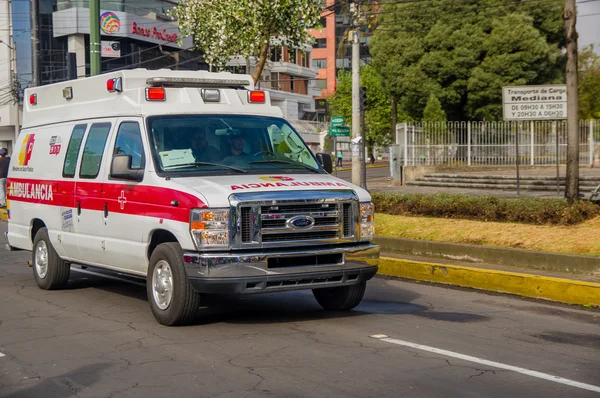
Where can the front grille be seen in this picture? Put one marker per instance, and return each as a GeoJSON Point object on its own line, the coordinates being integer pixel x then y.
{"type": "Point", "coordinates": [295, 208]}
{"type": "Point", "coordinates": [347, 217]}
{"type": "Point", "coordinates": [299, 236]}
{"type": "Point", "coordinates": [293, 223]}
{"type": "Point", "coordinates": [246, 224]}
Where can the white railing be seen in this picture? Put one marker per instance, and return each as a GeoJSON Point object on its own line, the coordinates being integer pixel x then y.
{"type": "Point", "coordinates": [493, 143]}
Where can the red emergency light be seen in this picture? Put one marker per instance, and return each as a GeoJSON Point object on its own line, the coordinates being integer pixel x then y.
{"type": "Point", "coordinates": [155, 94]}
{"type": "Point", "coordinates": [33, 99]}
{"type": "Point", "coordinates": [257, 97]}
{"type": "Point", "coordinates": [115, 84]}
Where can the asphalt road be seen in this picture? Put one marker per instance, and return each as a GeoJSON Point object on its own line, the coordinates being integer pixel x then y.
{"type": "Point", "coordinates": [99, 339]}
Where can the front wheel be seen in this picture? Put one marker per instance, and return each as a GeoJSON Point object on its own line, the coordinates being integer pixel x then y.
{"type": "Point", "coordinates": [50, 271]}
{"type": "Point", "coordinates": [172, 299]}
{"type": "Point", "coordinates": [343, 298]}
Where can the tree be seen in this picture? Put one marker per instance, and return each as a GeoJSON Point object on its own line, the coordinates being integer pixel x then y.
{"type": "Point", "coordinates": [465, 53]}
{"type": "Point", "coordinates": [224, 28]}
{"type": "Point", "coordinates": [378, 116]}
{"type": "Point", "coordinates": [589, 84]}
{"type": "Point", "coordinates": [433, 110]}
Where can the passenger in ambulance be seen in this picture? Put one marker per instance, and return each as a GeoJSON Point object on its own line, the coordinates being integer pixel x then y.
{"type": "Point", "coordinates": [200, 148]}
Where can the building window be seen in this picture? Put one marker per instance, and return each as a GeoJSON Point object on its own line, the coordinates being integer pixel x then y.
{"type": "Point", "coordinates": [304, 59]}
{"type": "Point", "coordinates": [342, 63]}
{"type": "Point", "coordinates": [292, 55]}
{"type": "Point", "coordinates": [292, 84]}
{"type": "Point", "coordinates": [320, 43]}
{"type": "Point", "coordinates": [276, 54]}
{"type": "Point", "coordinates": [324, 22]}
{"type": "Point", "coordinates": [321, 84]}
{"type": "Point", "coordinates": [320, 63]}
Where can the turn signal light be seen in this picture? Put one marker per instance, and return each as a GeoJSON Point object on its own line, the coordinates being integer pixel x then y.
{"type": "Point", "coordinates": [155, 94]}
{"type": "Point", "coordinates": [257, 97]}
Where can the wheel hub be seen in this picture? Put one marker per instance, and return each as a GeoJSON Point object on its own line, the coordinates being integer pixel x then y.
{"type": "Point", "coordinates": [162, 285]}
{"type": "Point", "coordinates": [41, 259]}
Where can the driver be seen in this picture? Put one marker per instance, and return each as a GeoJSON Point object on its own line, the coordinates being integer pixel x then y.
{"type": "Point", "coordinates": [237, 142]}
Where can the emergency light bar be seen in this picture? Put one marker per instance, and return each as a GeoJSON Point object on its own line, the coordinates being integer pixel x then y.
{"type": "Point", "coordinates": [195, 82]}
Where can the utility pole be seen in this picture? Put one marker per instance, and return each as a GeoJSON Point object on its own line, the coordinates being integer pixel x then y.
{"type": "Point", "coordinates": [572, 177]}
{"type": "Point", "coordinates": [94, 37]}
{"type": "Point", "coordinates": [35, 43]}
{"type": "Point", "coordinates": [14, 77]}
{"type": "Point", "coordinates": [356, 161]}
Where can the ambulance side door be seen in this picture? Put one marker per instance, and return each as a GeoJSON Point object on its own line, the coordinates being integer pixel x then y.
{"type": "Point", "coordinates": [89, 203]}
{"type": "Point", "coordinates": [126, 201]}
{"type": "Point", "coordinates": [68, 212]}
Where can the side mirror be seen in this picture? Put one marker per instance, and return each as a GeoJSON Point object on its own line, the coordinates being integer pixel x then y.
{"type": "Point", "coordinates": [120, 169]}
{"type": "Point", "coordinates": [325, 160]}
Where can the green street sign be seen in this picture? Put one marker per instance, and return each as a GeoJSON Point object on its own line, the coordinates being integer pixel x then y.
{"type": "Point", "coordinates": [339, 131]}
{"type": "Point", "coordinates": [337, 121]}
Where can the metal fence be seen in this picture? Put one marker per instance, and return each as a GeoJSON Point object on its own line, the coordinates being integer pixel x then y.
{"type": "Point", "coordinates": [493, 143]}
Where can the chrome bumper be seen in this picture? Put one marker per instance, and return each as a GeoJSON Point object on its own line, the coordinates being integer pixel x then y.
{"type": "Point", "coordinates": [281, 270]}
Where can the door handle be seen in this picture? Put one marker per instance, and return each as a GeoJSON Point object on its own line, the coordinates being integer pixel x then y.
{"type": "Point", "coordinates": [105, 210]}
{"type": "Point", "coordinates": [78, 208]}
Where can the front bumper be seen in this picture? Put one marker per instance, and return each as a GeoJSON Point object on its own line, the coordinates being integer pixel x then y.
{"type": "Point", "coordinates": [281, 270]}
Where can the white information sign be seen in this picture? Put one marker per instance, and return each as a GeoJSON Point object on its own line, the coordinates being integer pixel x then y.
{"type": "Point", "coordinates": [535, 102]}
{"type": "Point", "coordinates": [176, 158]}
{"type": "Point", "coordinates": [111, 49]}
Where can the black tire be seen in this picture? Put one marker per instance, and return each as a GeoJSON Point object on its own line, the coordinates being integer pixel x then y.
{"type": "Point", "coordinates": [343, 298]}
{"type": "Point", "coordinates": [57, 271]}
{"type": "Point", "coordinates": [185, 300]}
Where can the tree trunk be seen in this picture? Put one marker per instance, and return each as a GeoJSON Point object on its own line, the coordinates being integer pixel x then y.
{"type": "Point", "coordinates": [262, 60]}
{"type": "Point", "coordinates": [572, 177]}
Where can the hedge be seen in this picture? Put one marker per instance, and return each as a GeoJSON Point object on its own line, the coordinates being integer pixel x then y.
{"type": "Point", "coordinates": [487, 208]}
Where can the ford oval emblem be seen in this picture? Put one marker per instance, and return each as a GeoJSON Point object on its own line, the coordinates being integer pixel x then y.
{"type": "Point", "coordinates": [301, 222]}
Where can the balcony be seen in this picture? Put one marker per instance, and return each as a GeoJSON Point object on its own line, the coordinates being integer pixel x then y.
{"type": "Point", "coordinates": [293, 69]}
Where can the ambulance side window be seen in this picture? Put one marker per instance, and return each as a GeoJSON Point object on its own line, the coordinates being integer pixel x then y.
{"type": "Point", "coordinates": [93, 150]}
{"type": "Point", "coordinates": [129, 142]}
{"type": "Point", "coordinates": [73, 150]}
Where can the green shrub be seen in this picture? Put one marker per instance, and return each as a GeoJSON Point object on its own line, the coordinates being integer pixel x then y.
{"type": "Point", "coordinates": [487, 208]}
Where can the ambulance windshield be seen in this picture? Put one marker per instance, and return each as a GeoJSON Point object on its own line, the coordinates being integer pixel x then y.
{"type": "Point", "coordinates": [227, 144]}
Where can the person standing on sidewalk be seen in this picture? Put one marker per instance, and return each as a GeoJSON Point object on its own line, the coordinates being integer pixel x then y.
{"type": "Point", "coordinates": [4, 163]}
{"type": "Point", "coordinates": [339, 158]}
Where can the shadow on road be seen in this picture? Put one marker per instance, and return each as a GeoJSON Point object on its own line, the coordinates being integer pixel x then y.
{"type": "Point", "coordinates": [66, 385]}
{"type": "Point", "coordinates": [281, 307]}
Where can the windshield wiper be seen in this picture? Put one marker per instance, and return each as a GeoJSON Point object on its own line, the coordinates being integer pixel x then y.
{"type": "Point", "coordinates": [285, 162]}
{"type": "Point", "coordinates": [206, 164]}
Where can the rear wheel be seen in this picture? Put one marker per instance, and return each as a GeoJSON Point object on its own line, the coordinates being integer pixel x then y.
{"type": "Point", "coordinates": [49, 270]}
{"type": "Point", "coordinates": [172, 299]}
{"type": "Point", "coordinates": [343, 298]}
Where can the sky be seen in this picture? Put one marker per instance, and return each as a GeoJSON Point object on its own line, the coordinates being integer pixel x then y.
{"type": "Point", "coordinates": [588, 25]}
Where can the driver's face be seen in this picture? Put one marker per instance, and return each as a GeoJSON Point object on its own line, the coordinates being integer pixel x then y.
{"type": "Point", "coordinates": [237, 143]}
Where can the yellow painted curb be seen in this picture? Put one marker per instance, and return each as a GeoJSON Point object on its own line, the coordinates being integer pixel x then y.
{"type": "Point", "coordinates": [3, 215]}
{"type": "Point", "coordinates": [536, 286]}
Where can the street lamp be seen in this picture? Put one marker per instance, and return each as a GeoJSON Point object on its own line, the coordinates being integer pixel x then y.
{"type": "Point", "coordinates": [13, 78]}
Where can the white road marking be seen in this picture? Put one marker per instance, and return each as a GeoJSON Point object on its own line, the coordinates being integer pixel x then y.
{"type": "Point", "coordinates": [493, 364]}
{"type": "Point", "coordinates": [1, 355]}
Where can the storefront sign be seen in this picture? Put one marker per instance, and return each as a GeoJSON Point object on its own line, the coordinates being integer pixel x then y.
{"type": "Point", "coordinates": [153, 32]}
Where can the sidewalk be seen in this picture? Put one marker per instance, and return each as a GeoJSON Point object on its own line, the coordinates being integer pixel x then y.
{"type": "Point", "coordinates": [348, 165]}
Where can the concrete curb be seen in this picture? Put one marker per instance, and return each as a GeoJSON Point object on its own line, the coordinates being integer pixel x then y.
{"type": "Point", "coordinates": [534, 286]}
{"type": "Point", "coordinates": [542, 261]}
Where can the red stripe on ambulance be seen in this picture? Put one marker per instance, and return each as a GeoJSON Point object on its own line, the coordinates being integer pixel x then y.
{"type": "Point", "coordinates": [139, 200]}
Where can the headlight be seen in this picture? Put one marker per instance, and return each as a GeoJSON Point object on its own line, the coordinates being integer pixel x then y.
{"type": "Point", "coordinates": [367, 221]}
{"type": "Point", "coordinates": [210, 228]}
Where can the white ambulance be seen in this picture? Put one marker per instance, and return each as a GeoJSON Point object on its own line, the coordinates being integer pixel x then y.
{"type": "Point", "coordinates": [191, 180]}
